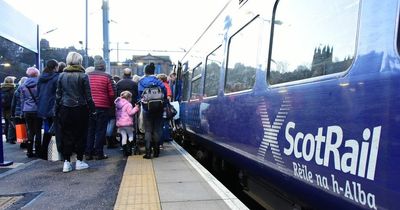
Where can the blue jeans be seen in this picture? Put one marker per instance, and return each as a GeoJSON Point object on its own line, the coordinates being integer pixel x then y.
{"type": "Point", "coordinates": [165, 132]}
{"type": "Point", "coordinates": [110, 127]}
{"type": "Point", "coordinates": [97, 133]}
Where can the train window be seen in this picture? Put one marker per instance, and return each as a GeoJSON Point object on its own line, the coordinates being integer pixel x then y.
{"type": "Point", "coordinates": [196, 83]}
{"type": "Point", "coordinates": [213, 67]}
{"type": "Point", "coordinates": [312, 38]}
{"type": "Point", "coordinates": [242, 59]}
{"type": "Point", "coordinates": [186, 77]}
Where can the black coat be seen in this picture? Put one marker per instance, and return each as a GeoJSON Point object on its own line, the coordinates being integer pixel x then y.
{"type": "Point", "coordinates": [128, 84]}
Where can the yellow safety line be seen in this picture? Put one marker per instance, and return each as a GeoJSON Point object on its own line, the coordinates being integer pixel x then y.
{"type": "Point", "coordinates": [138, 189]}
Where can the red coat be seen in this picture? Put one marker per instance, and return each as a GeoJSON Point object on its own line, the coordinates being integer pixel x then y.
{"type": "Point", "coordinates": [103, 89]}
{"type": "Point", "coordinates": [169, 92]}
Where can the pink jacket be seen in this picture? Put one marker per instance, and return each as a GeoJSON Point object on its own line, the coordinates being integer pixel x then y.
{"type": "Point", "coordinates": [124, 112]}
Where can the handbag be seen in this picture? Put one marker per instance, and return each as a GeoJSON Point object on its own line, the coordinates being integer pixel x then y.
{"type": "Point", "coordinates": [170, 111]}
{"type": "Point", "coordinates": [20, 131]}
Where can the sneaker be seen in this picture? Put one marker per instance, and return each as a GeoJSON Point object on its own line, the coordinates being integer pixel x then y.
{"type": "Point", "coordinates": [80, 165]}
{"type": "Point", "coordinates": [101, 157]}
{"type": "Point", "coordinates": [67, 167]}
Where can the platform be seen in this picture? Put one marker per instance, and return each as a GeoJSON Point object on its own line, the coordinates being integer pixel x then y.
{"type": "Point", "coordinates": [175, 180]}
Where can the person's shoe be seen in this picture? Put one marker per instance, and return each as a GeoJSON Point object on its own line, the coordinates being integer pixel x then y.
{"type": "Point", "coordinates": [101, 157]}
{"type": "Point", "coordinates": [146, 156]}
{"type": "Point", "coordinates": [80, 165]}
{"type": "Point", "coordinates": [88, 157]}
{"type": "Point", "coordinates": [67, 167]}
{"type": "Point", "coordinates": [30, 155]}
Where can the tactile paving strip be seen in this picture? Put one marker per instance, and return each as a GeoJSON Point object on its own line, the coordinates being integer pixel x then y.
{"type": "Point", "coordinates": [7, 201]}
{"type": "Point", "coordinates": [138, 189]}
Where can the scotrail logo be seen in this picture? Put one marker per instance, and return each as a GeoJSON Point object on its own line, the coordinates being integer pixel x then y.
{"type": "Point", "coordinates": [271, 131]}
{"type": "Point", "coordinates": [323, 146]}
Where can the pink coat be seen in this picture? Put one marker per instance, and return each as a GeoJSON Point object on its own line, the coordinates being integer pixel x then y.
{"type": "Point", "coordinates": [124, 112]}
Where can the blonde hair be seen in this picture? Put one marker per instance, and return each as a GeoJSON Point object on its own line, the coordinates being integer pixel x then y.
{"type": "Point", "coordinates": [74, 58]}
{"type": "Point", "coordinates": [162, 77]}
{"type": "Point", "coordinates": [126, 94]}
{"type": "Point", "coordinates": [9, 79]}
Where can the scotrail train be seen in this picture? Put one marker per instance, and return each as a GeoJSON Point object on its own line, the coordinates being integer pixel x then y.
{"type": "Point", "coordinates": [302, 99]}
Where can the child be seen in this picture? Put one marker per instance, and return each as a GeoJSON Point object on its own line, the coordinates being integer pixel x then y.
{"type": "Point", "coordinates": [124, 115]}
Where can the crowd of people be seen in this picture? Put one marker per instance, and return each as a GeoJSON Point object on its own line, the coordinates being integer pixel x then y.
{"type": "Point", "coordinates": [86, 109]}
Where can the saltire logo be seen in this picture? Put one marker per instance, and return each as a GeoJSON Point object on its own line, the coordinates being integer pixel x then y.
{"type": "Point", "coordinates": [271, 131]}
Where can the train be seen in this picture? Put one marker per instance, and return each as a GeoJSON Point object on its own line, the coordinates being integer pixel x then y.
{"type": "Point", "coordinates": [300, 99]}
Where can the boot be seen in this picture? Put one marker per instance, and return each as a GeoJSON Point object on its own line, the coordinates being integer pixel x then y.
{"type": "Point", "coordinates": [136, 150]}
{"type": "Point", "coordinates": [111, 142]}
{"type": "Point", "coordinates": [45, 145]}
{"type": "Point", "coordinates": [148, 154]}
{"type": "Point", "coordinates": [29, 152]}
{"type": "Point", "coordinates": [129, 148]}
{"type": "Point", "coordinates": [125, 150]}
{"type": "Point", "coordinates": [156, 150]}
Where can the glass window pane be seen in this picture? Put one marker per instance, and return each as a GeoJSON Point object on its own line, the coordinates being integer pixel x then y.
{"type": "Point", "coordinates": [196, 89]}
{"type": "Point", "coordinates": [313, 38]}
{"type": "Point", "coordinates": [242, 59]}
{"type": "Point", "coordinates": [14, 59]}
{"type": "Point", "coordinates": [186, 77]}
{"type": "Point", "coordinates": [213, 67]}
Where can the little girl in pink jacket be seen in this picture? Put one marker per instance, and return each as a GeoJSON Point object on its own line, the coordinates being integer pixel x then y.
{"type": "Point", "coordinates": [124, 115]}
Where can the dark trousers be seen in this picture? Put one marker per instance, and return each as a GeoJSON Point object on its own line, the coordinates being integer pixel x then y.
{"type": "Point", "coordinates": [153, 125]}
{"type": "Point", "coordinates": [74, 126]}
{"type": "Point", "coordinates": [46, 136]}
{"type": "Point", "coordinates": [97, 133]}
{"type": "Point", "coordinates": [7, 126]}
{"type": "Point", "coordinates": [34, 127]}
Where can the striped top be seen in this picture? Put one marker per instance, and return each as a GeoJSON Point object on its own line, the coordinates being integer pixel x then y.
{"type": "Point", "coordinates": [103, 89]}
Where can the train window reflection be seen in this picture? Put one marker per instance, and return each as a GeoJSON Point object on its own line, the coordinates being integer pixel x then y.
{"type": "Point", "coordinates": [186, 85]}
{"type": "Point", "coordinates": [213, 67]}
{"type": "Point", "coordinates": [313, 38]}
{"type": "Point", "coordinates": [196, 83]}
{"type": "Point", "coordinates": [242, 58]}
{"type": "Point", "coordinates": [14, 59]}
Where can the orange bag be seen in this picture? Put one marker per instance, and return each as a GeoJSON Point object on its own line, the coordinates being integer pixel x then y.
{"type": "Point", "coordinates": [20, 130]}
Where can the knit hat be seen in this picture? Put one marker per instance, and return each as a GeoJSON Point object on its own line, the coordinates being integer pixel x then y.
{"type": "Point", "coordinates": [99, 63]}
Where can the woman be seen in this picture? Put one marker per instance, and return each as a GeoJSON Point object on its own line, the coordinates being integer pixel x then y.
{"type": "Point", "coordinates": [7, 93]}
{"type": "Point", "coordinates": [73, 103]}
{"type": "Point", "coordinates": [29, 104]}
{"type": "Point", "coordinates": [47, 86]}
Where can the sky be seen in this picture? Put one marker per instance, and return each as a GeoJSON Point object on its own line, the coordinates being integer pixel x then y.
{"type": "Point", "coordinates": [136, 26]}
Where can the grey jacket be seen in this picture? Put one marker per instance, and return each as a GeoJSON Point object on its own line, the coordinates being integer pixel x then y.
{"type": "Point", "coordinates": [73, 89]}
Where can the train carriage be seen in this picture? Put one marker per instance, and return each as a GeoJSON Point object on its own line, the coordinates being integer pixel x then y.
{"type": "Point", "coordinates": [301, 98]}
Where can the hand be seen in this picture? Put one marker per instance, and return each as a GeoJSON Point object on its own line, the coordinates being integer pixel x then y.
{"type": "Point", "coordinates": [93, 115]}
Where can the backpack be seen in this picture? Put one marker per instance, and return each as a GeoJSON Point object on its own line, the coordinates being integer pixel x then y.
{"type": "Point", "coordinates": [6, 98]}
{"type": "Point", "coordinates": [153, 99]}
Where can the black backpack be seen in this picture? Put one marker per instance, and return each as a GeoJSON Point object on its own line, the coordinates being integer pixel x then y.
{"type": "Point", "coordinates": [153, 99]}
{"type": "Point", "coordinates": [6, 98]}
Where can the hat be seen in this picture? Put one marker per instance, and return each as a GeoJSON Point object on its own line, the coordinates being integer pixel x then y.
{"type": "Point", "coordinates": [99, 63]}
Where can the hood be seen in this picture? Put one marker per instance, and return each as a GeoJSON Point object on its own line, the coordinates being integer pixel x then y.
{"type": "Point", "coordinates": [45, 77]}
{"type": "Point", "coordinates": [120, 102]}
{"type": "Point", "coordinates": [31, 82]}
{"type": "Point", "coordinates": [7, 85]}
